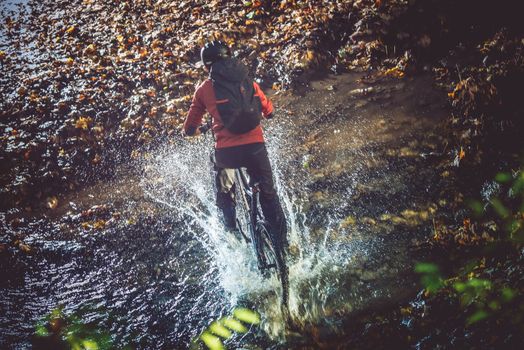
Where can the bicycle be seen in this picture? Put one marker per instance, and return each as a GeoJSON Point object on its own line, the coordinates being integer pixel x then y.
{"type": "Point", "coordinates": [254, 229]}
{"type": "Point", "coordinates": [268, 249]}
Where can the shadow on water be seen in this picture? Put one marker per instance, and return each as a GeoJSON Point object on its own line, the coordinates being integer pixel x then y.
{"type": "Point", "coordinates": [356, 190]}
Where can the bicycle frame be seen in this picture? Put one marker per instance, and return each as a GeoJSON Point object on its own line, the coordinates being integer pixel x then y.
{"type": "Point", "coordinates": [246, 197]}
{"type": "Point", "coordinates": [268, 253]}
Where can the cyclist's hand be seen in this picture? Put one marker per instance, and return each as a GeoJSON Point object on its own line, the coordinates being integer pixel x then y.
{"type": "Point", "coordinates": [195, 133]}
{"type": "Point", "coordinates": [270, 115]}
{"type": "Point", "coordinates": [204, 128]}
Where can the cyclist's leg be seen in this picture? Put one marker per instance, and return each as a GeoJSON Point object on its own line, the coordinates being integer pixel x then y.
{"type": "Point", "coordinates": [226, 161]}
{"type": "Point", "coordinates": [225, 186]}
{"type": "Point", "coordinates": [259, 168]}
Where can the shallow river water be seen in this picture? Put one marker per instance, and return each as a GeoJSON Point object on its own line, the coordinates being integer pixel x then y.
{"type": "Point", "coordinates": [353, 164]}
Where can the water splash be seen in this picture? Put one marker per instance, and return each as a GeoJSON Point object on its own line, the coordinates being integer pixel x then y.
{"type": "Point", "coordinates": [179, 177]}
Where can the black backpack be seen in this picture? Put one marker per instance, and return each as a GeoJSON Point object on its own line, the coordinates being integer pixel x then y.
{"type": "Point", "coordinates": [239, 108]}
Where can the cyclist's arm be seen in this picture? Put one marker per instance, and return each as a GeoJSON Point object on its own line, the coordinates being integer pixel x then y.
{"type": "Point", "coordinates": [195, 115]}
{"type": "Point", "coordinates": [267, 106]}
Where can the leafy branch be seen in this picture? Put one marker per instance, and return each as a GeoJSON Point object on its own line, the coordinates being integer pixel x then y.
{"type": "Point", "coordinates": [484, 296]}
{"type": "Point", "coordinates": [225, 328]}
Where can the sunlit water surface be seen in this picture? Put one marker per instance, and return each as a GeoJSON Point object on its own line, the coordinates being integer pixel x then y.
{"type": "Point", "coordinates": [179, 177]}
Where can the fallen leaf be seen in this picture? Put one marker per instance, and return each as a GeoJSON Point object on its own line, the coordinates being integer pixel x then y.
{"type": "Point", "coordinates": [348, 221]}
{"type": "Point", "coordinates": [99, 224]}
{"type": "Point", "coordinates": [24, 248]}
{"type": "Point", "coordinates": [394, 72]}
{"type": "Point", "coordinates": [462, 153]}
{"type": "Point", "coordinates": [404, 311]}
{"type": "Point", "coordinates": [143, 52]}
{"type": "Point", "coordinates": [70, 29]}
{"type": "Point", "coordinates": [83, 123]}
{"type": "Point", "coordinates": [90, 49]}
{"type": "Point", "coordinates": [52, 202]}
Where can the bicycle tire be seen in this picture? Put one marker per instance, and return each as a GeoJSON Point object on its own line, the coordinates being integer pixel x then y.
{"type": "Point", "coordinates": [268, 258]}
{"type": "Point", "coordinates": [275, 259]}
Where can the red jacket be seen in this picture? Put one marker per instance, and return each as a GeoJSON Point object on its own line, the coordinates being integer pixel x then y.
{"type": "Point", "coordinates": [204, 100]}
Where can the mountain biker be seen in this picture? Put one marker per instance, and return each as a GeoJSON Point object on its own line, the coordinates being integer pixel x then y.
{"type": "Point", "coordinates": [234, 149]}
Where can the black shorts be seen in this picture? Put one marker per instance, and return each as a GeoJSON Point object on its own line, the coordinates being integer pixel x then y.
{"type": "Point", "coordinates": [254, 158]}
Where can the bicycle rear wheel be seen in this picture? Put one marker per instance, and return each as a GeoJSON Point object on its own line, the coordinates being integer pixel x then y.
{"type": "Point", "coordinates": [269, 253]}
{"type": "Point", "coordinates": [275, 260]}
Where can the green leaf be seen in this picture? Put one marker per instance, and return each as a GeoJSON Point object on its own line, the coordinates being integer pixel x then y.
{"type": "Point", "coordinates": [426, 268]}
{"type": "Point", "coordinates": [432, 283]}
{"type": "Point", "coordinates": [74, 344]}
{"type": "Point", "coordinates": [503, 177]}
{"type": "Point", "coordinates": [234, 325]}
{"type": "Point", "coordinates": [514, 226]}
{"type": "Point", "coordinates": [466, 298]}
{"type": "Point", "coordinates": [75, 328]}
{"type": "Point", "coordinates": [89, 344]}
{"type": "Point", "coordinates": [218, 329]}
{"type": "Point", "coordinates": [518, 185]}
{"type": "Point", "coordinates": [479, 283]}
{"type": "Point", "coordinates": [104, 341]}
{"type": "Point", "coordinates": [212, 342]}
{"type": "Point", "coordinates": [501, 210]}
{"type": "Point", "coordinates": [494, 305]}
{"type": "Point", "coordinates": [507, 294]}
{"type": "Point", "coordinates": [459, 286]}
{"type": "Point", "coordinates": [41, 331]}
{"type": "Point", "coordinates": [476, 207]}
{"type": "Point", "coordinates": [251, 15]}
{"type": "Point", "coordinates": [477, 316]}
{"type": "Point", "coordinates": [247, 316]}
{"type": "Point", "coordinates": [57, 313]}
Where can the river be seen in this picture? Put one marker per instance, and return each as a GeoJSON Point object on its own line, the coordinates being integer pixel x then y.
{"type": "Point", "coordinates": [353, 160]}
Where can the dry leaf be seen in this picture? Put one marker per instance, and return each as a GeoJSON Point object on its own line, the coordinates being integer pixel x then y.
{"type": "Point", "coordinates": [52, 202]}
{"type": "Point", "coordinates": [462, 153]}
{"type": "Point", "coordinates": [83, 123]}
{"type": "Point", "coordinates": [70, 30]}
{"type": "Point", "coordinates": [99, 224]}
{"type": "Point", "coordinates": [24, 248]}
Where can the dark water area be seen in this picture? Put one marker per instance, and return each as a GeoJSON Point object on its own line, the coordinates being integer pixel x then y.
{"type": "Point", "coordinates": [145, 280]}
{"type": "Point", "coordinates": [359, 193]}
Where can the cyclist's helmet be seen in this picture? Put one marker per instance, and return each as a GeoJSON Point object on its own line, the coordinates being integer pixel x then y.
{"type": "Point", "coordinates": [214, 51]}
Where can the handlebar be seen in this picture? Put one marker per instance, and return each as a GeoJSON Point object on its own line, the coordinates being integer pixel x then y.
{"type": "Point", "coordinates": [205, 127]}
